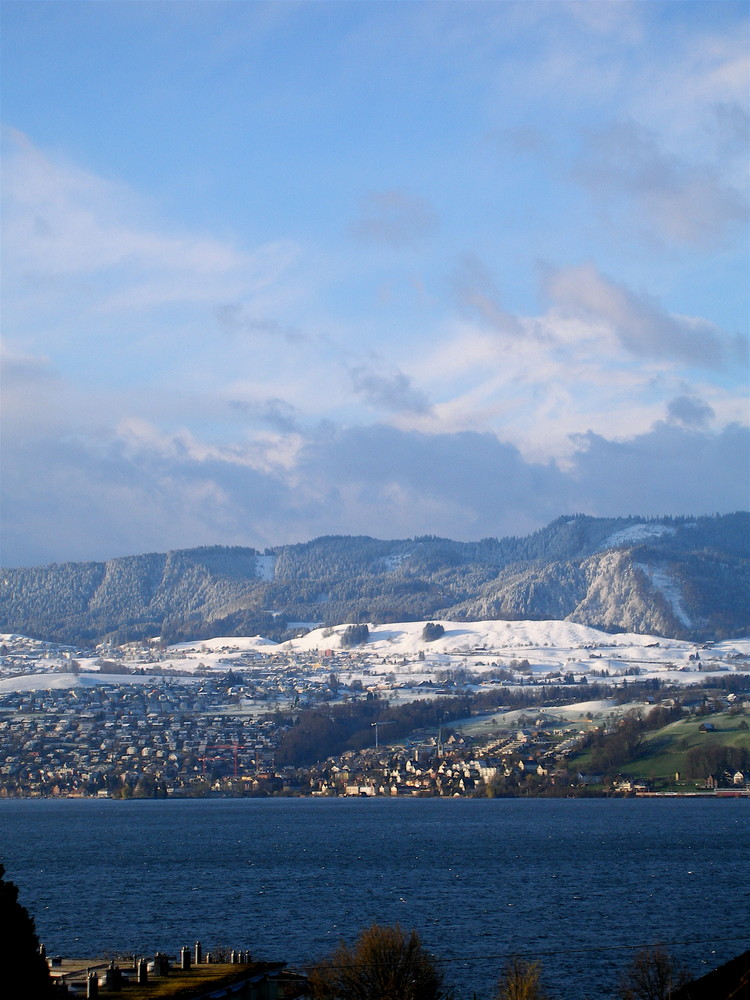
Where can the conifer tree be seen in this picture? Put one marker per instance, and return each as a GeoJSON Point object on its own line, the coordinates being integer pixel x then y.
{"type": "Point", "coordinates": [25, 972]}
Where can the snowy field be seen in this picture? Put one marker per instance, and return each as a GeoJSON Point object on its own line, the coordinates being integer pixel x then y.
{"type": "Point", "coordinates": [395, 658]}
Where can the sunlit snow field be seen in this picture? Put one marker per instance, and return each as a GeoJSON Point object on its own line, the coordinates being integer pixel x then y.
{"type": "Point", "coordinates": [395, 659]}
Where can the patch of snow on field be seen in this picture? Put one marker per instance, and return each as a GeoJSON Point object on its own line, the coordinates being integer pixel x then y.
{"type": "Point", "coordinates": [393, 562]}
{"type": "Point", "coordinates": [741, 646]}
{"type": "Point", "coordinates": [219, 653]}
{"type": "Point", "coordinates": [224, 643]}
{"type": "Point", "coordinates": [65, 682]}
{"type": "Point", "coordinates": [667, 586]}
{"type": "Point", "coordinates": [581, 707]}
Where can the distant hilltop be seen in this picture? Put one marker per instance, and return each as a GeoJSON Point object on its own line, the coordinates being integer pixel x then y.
{"type": "Point", "coordinates": [678, 577]}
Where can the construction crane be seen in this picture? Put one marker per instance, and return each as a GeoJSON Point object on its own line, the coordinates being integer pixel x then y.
{"type": "Point", "coordinates": [221, 746]}
{"type": "Point", "coordinates": [377, 726]}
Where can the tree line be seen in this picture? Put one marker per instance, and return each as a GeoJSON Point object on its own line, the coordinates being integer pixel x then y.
{"type": "Point", "coordinates": [315, 734]}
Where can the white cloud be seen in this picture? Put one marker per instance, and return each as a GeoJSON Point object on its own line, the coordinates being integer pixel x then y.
{"type": "Point", "coordinates": [477, 293]}
{"type": "Point", "coordinates": [71, 237]}
{"type": "Point", "coordinates": [675, 199]}
{"type": "Point", "coordinates": [675, 94]}
{"type": "Point", "coordinates": [621, 19]}
{"type": "Point", "coordinates": [63, 220]}
{"type": "Point", "coordinates": [603, 359]}
{"type": "Point", "coordinates": [638, 322]}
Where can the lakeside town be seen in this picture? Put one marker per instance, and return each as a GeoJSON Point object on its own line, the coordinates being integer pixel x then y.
{"type": "Point", "coordinates": [214, 718]}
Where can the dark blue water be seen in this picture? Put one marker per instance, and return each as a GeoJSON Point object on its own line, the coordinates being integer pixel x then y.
{"type": "Point", "coordinates": [571, 882]}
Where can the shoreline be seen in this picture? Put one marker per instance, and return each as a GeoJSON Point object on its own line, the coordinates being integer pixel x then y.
{"type": "Point", "coordinates": [708, 794]}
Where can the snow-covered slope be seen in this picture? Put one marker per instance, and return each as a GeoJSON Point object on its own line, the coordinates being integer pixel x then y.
{"type": "Point", "coordinates": [394, 654]}
{"type": "Point", "coordinates": [265, 566]}
{"type": "Point", "coordinates": [405, 638]}
{"type": "Point", "coordinates": [636, 534]}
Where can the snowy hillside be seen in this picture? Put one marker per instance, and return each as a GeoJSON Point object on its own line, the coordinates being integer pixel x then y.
{"type": "Point", "coordinates": [405, 638]}
{"type": "Point", "coordinates": [395, 659]}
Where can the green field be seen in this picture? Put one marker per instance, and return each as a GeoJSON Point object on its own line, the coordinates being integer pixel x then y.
{"type": "Point", "coordinates": [663, 754]}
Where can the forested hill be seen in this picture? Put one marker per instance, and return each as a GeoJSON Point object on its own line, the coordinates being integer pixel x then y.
{"type": "Point", "coordinates": [679, 577]}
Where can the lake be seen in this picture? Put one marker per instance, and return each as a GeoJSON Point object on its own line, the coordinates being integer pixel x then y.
{"type": "Point", "coordinates": [574, 883]}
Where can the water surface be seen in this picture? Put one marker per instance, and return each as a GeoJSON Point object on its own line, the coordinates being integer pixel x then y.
{"type": "Point", "coordinates": [573, 882]}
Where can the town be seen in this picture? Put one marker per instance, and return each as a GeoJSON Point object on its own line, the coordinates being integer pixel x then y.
{"type": "Point", "coordinates": [218, 717]}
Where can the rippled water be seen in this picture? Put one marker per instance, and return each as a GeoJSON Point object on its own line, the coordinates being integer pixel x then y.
{"type": "Point", "coordinates": [573, 882]}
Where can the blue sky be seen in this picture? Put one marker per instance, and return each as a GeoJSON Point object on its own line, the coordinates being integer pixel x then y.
{"type": "Point", "coordinates": [276, 270]}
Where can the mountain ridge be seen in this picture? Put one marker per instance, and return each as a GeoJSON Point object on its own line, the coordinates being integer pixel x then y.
{"type": "Point", "coordinates": [681, 577]}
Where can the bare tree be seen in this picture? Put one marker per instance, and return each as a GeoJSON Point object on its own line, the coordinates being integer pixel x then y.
{"type": "Point", "coordinates": [521, 980]}
{"type": "Point", "coordinates": [653, 975]}
{"type": "Point", "coordinates": [385, 963]}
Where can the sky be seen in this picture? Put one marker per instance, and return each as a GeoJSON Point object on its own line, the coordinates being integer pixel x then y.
{"type": "Point", "coordinates": [277, 270]}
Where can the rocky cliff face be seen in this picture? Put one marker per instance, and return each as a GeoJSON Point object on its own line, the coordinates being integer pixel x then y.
{"type": "Point", "coordinates": [620, 595]}
{"type": "Point", "coordinates": [609, 590]}
{"type": "Point", "coordinates": [687, 578]}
